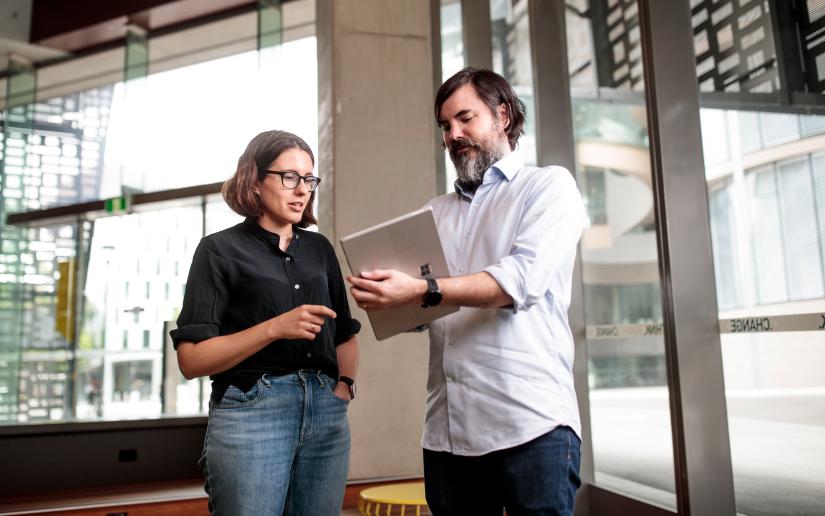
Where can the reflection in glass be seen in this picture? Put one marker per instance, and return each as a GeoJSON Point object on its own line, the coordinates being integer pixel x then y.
{"type": "Point", "coordinates": [452, 60]}
{"type": "Point", "coordinates": [512, 59]}
{"type": "Point", "coordinates": [630, 417]}
{"type": "Point", "coordinates": [124, 327]}
{"type": "Point", "coordinates": [452, 42]}
{"type": "Point", "coordinates": [766, 215]}
{"type": "Point", "coordinates": [220, 216]}
{"type": "Point", "coordinates": [132, 381]}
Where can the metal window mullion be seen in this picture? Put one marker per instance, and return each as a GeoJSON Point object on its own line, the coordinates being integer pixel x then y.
{"type": "Point", "coordinates": [817, 207]}
{"type": "Point", "coordinates": [270, 23]}
{"type": "Point", "coordinates": [435, 42]}
{"type": "Point", "coordinates": [789, 58]}
{"type": "Point", "coordinates": [701, 444]}
{"type": "Point", "coordinates": [602, 49]}
{"type": "Point", "coordinates": [136, 54]}
{"type": "Point", "coordinates": [555, 145]}
{"type": "Point", "coordinates": [777, 186]}
{"type": "Point", "coordinates": [477, 33]}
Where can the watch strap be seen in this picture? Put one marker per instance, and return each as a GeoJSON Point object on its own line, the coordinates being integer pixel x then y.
{"type": "Point", "coordinates": [350, 383]}
{"type": "Point", "coordinates": [433, 295]}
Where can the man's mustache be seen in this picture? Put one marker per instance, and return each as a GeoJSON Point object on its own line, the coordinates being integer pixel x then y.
{"type": "Point", "coordinates": [461, 144]}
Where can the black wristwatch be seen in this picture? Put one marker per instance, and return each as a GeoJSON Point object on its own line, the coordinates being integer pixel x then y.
{"type": "Point", "coordinates": [433, 295]}
{"type": "Point", "coordinates": [350, 383]}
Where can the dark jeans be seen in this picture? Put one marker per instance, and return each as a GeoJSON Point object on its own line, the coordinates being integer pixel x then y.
{"type": "Point", "coordinates": [538, 477]}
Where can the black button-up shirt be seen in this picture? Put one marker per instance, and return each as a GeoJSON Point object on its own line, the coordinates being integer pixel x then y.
{"type": "Point", "coordinates": [240, 277]}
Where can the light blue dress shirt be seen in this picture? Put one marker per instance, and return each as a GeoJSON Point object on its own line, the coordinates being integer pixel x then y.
{"type": "Point", "coordinates": [502, 377]}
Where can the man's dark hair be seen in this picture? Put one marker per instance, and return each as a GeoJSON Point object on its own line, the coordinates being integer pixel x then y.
{"type": "Point", "coordinates": [494, 90]}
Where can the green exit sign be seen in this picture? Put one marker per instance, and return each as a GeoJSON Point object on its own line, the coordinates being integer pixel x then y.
{"type": "Point", "coordinates": [116, 205]}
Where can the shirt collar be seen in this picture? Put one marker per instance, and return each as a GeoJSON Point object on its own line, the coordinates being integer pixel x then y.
{"type": "Point", "coordinates": [508, 166]}
{"type": "Point", "coordinates": [272, 238]}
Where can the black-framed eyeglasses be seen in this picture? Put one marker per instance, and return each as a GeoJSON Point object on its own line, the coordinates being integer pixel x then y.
{"type": "Point", "coordinates": [291, 179]}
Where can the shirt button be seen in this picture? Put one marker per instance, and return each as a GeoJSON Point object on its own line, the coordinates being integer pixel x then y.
{"type": "Point", "coordinates": [309, 355]}
{"type": "Point", "coordinates": [288, 259]}
{"type": "Point", "coordinates": [297, 286]}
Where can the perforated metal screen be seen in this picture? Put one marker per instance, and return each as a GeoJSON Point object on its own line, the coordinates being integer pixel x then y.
{"type": "Point", "coordinates": [811, 19]}
{"type": "Point", "coordinates": [733, 41]}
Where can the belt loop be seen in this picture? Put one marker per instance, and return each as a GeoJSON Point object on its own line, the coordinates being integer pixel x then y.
{"type": "Point", "coordinates": [266, 381]}
{"type": "Point", "coordinates": [320, 378]}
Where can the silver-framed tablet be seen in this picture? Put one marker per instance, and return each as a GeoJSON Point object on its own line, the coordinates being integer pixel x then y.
{"type": "Point", "coordinates": [410, 244]}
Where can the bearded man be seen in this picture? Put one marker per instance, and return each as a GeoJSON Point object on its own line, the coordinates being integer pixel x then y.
{"type": "Point", "coordinates": [502, 426]}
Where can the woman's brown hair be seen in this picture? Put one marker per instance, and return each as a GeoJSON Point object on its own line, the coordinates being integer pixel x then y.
{"type": "Point", "coordinates": [239, 190]}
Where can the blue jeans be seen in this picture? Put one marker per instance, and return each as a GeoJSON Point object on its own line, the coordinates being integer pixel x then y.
{"type": "Point", "coordinates": [281, 448]}
{"type": "Point", "coordinates": [539, 477]}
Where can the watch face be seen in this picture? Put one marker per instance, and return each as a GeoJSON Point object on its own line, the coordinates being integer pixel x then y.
{"type": "Point", "coordinates": [433, 298]}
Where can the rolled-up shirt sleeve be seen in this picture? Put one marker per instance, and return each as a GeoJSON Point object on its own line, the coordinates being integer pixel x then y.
{"type": "Point", "coordinates": [553, 218]}
{"type": "Point", "coordinates": [204, 299]}
{"type": "Point", "coordinates": [345, 325]}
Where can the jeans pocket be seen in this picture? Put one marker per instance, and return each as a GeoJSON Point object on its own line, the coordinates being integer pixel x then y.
{"type": "Point", "coordinates": [236, 398]}
{"type": "Point", "coordinates": [331, 390]}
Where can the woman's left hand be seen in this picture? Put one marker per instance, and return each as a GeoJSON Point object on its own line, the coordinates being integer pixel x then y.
{"type": "Point", "coordinates": [342, 391]}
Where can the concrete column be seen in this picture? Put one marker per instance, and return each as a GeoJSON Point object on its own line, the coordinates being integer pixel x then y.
{"type": "Point", "coordinates": [377, 160]}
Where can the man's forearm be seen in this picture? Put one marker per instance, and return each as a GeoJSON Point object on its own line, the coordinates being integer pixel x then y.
{"type": "Point", "coordinates": [386, 288]}
{"type": "Point", "coordinates": [479, 290]}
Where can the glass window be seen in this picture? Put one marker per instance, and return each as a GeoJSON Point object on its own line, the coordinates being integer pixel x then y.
{"type": "Point", "coordinates": [812, 125]}
{"type": "Point", "coordinates": [626, 366]}
{"type": "Point", "coordinates": [722, 230]}
{"type": "Point", "coordinates": [715, 139]}
{"type": "Point", "coordinates": [132, 382]}
{"type": "Point", "coordinates": [91, 136]}
{"type": "Point", "coordinates": [55, 160]}
{"type": "Point", "coordinates": [220, 216]}
{"type": "Point", "coordinates": [192, 150]}
{"type": "Point", "coordinates": [799, 227]}
{"type": "Point", "coordinates": [593, 183]}
{"type": "Point", "coordinates": [750, 133]}
{"type": "Point", "coordinates": [512, 59]}
{"type": "Point", "coordinates": [766, 226]}
{"type": "Point", "coordinates": [779, 128]}
{"type": "Point", "coordinates": [580, 52]}
{"type": "Point", "coordinates": [769, 262]}
{"type": "Point", "coordinates": [452, 39]}
{"type": "Point", "coordinates": [627, 373]}
{"type": "Point", "coordinates": [818, 161]}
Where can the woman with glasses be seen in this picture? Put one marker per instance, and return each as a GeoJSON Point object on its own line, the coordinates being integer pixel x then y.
{"type": "Point", "coordinates": [265, 315]}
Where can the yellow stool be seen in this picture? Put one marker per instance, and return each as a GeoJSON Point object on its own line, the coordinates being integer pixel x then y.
{"type": "Point", "coordinates": [381, 500]}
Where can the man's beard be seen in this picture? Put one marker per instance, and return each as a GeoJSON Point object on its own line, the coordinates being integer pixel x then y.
{"type": "Point", "coordinates": [471, 168]}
